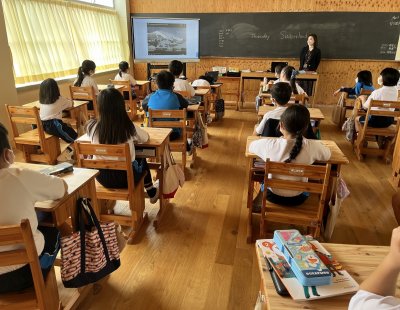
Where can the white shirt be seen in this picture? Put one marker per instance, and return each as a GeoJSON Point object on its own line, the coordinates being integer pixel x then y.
{"type": "Point", "coordinates": [141, 137]}
{"type": "Point", "coordinates": [20, 189]}
{"type": "Point", "coordinates": [89, 81]}
{"type": "Point", "coordinates": [365, 300]}
{"type": "Point", "coordinates": [278, 149]}
{"type": "Point", "coordinates": [298, 87]}
{"type": "Point", "coordinates": [388, 93]}
{"type": "Point", "coordinates": [274, 114]}
{"type": "Point", "coordinates": [200, 82]}
{"type": "Point", "coordinates": [54, 110]}
{"type": "Point", "coordinates": [125, 77]}
{"type": "Point", "coordinates": [183, 85]}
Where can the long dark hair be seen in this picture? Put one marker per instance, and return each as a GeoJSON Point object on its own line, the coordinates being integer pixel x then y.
{"type": "Point", "coordinates": [123, 66]}
{"type": "Point", "coordinates": [314, 36]}
{"type": "Point", "coordinates": [365, 77]}
{"type": "Point", "coordinates": [295, 119]}
{"type": "Point", "coordinates": [87, 66]}
{"type": "Point", "coordinates": [114, 125]}
{"type": "Point", "coordinates": [48, 91]}
{"type": "Point", "coordinates": [290, 73]}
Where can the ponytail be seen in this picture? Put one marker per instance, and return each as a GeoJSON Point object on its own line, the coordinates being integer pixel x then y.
{"type": "Point", "coordinates": [87, 66]}
{"type": "Point", "coordinates": [81, 76]}
{"type": "Point", "coordinates": [297, 147]}
{"type": "Point", "coordinates": [293, 81]}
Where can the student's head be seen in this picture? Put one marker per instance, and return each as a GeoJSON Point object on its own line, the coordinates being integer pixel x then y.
{"type": "Point", "coordinates": [114, 125]}
{"type": "Point", "coordinates": [278, 70]}
{"type": "Point", "coordinates": [175, 67]}
{"type": "Point", "coordinates": [288, 74]}
{"type": "Point", "coordinates": [48, 91]}
{"type": "Point", "coordinates": [123, 67]}
{"type": "Point", "coordinates": [209, 79]}
{"type": "Point", "coordinates": [365, 77]}
{"type": "Point", "coordinates": [88, 67]}
{"type": "Point", "coordinates": [312, 40]}
{"type": "Point", "coordinates": [281, 93]}
{"type": "Point", "coordinates": [294, 122]}
{"type": "Point", "coordinates": [390, 77]}
{"type": "Point", "coordinates": [165, 80]}
{"type": "Point", "coordinates": [6, 153]}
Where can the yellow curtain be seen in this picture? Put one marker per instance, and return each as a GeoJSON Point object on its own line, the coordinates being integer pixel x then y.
{"type": "Point", "coordinates": [50, 38]}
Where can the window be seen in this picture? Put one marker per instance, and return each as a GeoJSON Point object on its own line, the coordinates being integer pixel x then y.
{"type": "Point", "coordinates": [109, 3]}
{"type": "Point", "coordinates": [51, 38]}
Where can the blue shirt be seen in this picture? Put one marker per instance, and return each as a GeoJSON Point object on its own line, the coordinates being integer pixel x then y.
{"type": "Point", "coordinates": [163, 99]}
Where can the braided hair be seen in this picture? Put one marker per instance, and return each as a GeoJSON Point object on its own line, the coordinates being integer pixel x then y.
{"type": "Point", "coordinates": [289, 73]}
{"type": "Point", "coordinates": [295, 119]}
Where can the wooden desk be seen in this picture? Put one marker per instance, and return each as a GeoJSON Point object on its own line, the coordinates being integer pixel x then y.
{"type": "Point", "coordinates": [78, 112]}
{"type": "Point", "coordinates": [81, 183]}
{"type": "Point", "coordinates": [337, 160]}
{"type": "Point", "coordinates": [271, 75]}
{"type": "Point", "coordinates": [154, 148]}
{"type": "Point", "coordinates": [143, 88]}
{"type": "Point", "coordinates": [315, 113]}
{"type": "Point", "coordinates": [358, 260]}
{"type": "Point", "coordinates": [105, 86]}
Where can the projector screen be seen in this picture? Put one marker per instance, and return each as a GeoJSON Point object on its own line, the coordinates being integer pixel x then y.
{"type": "Point", "coordinates": [164, 39]}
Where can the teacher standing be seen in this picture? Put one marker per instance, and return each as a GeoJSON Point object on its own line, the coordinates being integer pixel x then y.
{"type": "Point", "coordinates": [310, 57]}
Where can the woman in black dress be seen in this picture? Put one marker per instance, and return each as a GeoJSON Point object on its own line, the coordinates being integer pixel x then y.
{"type": "Point", "coordinates": [310, 57]}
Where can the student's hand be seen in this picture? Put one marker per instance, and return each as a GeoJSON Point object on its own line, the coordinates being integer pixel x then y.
{"type": "Point", "coordinates": [336, 92]}
{"type": "Point", "coordinates": [394, 252]}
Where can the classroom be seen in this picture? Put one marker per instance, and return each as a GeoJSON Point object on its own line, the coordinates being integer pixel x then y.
{"type": "Point", "coordinates": [193, 107]}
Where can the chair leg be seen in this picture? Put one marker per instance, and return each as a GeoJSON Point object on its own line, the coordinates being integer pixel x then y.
{"type": "Point", "coordinates": [184, 158]}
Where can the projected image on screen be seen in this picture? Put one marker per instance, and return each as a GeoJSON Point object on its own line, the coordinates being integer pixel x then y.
{"type": "Point", "coordinates": [166, 39]}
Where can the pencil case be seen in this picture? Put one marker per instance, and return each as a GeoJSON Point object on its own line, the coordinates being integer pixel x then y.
{"type": "Point", "coordinates": [305, 263]}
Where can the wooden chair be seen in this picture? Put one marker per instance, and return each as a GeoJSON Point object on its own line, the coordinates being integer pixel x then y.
{"type": "Point", "coordinates": [368, 133]}
{"type": "Point", "coordinates": [134, 194]}
{"type": "Point", "coordinates": [85, 93]}
{"type": "Point", "coordinates": [44, 293]}
{"type": "Point", "coordinates": [299, 98]}
{"type": "Point", "coordinates": [185, 94]}
{"type": "Point", "coordinates": [308, 214]}
{"type": "Point", "coordinates": [28, 141]}
{"type": "Point", "coordinates": [130, 103]}
{"type": "Point", "coordinates": [171, 119]}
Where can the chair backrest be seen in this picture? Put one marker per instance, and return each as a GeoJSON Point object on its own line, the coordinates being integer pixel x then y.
{"type": "Point", "coordinates": [183, 93]}
{"type": "Point", "coordinates": [383, 108]}
{"type": "Point", "coordinates": [21, 235]}
{"type": "Point", "coordinates": [168, 119]}
{"type": "Point", "coordinates": [84, 93]}
{"type": "Point", "coordinates": [25, 116]}
{"type": "Point", "coordinates": [120, 153]}
{"type": "Point", "coordinates": [127, 89]}
{"type": "Point", "coordinates": [365, 92]}
{"type": "Point", "coordinates": [298, 98]}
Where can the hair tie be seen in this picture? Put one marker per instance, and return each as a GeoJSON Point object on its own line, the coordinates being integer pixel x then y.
{"type": "Point", "coordinates": [294, 73]}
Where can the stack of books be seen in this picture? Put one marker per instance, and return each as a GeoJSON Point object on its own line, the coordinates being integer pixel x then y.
{"type": "Point", "coordinates": [305, 268]}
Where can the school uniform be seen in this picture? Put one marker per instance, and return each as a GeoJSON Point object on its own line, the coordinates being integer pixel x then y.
{"type": "Point", "coordinates": [278, 150]}
{"type": "Point", "coordinates": [183, 85]}
{"type": "Point", "coordinates": [364, 300]}
{"type": "Point", "coordinates": [51, 117]}
{"type": "Point", "coordinates": [20, 189]}
{"type": "Point", "coordinates": [274, 114]}
{"type": "Point", "coordinates": [127, 77]}
{"type": "Point", "coordinates": [356, 90]}
{"type": "Point", "coordinates": [86, 82]}
{"type": "Point", "coordinates": [388, 93]}
{"type": "Point", "coordinates": [201, 82]}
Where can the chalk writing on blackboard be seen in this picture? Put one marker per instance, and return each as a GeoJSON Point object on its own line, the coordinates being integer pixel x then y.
{"type": "Point", "coordinates": [395, 21]}
{"type": "Point", "coordinates": [285, 35]}
{"type": "Point", "coordinates": [388, 49]}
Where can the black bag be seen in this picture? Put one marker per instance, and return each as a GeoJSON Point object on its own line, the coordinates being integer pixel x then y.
{"type": "Point", "coordinates": [219, 108]}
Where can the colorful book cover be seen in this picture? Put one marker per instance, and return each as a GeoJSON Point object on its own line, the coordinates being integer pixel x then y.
{"type": "Point", "coordinates": [342, 282]}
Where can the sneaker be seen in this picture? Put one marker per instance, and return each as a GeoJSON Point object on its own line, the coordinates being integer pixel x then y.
{"type": "Point", "coordinates": [122, 208]}
{"type": "Point", "coordinates": [189, 149]}
{"type": "Point", "coordinates": [156, 185]}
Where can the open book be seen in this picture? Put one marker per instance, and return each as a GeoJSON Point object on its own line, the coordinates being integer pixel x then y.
{"type": "Point", "coordinates": [342, 282]}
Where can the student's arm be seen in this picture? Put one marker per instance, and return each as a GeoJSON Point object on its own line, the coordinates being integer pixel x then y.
{"type": "Point", "coordinates": [141, 135]}
{"type": "Point", "coordinates": [260, 127]}
{"type": "Point", "coordinates": [366, 103]}
{"type": "Point", "coordinates": [183, 103]}
{"type": "Point", "coordinates": [132, 80]}
{"type": "Point", "coordinates": [94, 85]}
{"type": "Point", "coordinates": [320, 152]}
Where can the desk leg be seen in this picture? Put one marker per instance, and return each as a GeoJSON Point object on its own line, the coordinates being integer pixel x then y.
{"type": "Point", "coordinates": [240, 99]}
{"type": "Point", "coordinates": [250, 191]}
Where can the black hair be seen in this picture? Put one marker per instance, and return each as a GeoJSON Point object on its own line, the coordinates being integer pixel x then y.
{"type": "Point", "coordinates": [290, 73]}
{"type": "Point", "coordinates": [165, 80]}
{"type": "Point", "coordinates": [84, 69]}
{"type": "Point", "coordinates": [390, 76]}
{"type": "Point", "coordinates": [4, 143]}
{"type": "Point", "coordinates": [48, 91]}
{"type": "Point", "coordinates": [114, 125]}
{"type": "Point", "coordinates": [295, 119]}
{"type": "Point", "coordinates": [314, 36]}
{"type": "Point", "coordinates": [278, 68]}
{"type": "Point", "coordinates": [175, 67]}
{"type": "Point", "coordinates": [209, 79]}
{"type": "Point", "coordinates": [281, 92]}
{"type": "Point", "coordinates": [123, 66]}
{"type": "Point", "coordinates": [365, 77]}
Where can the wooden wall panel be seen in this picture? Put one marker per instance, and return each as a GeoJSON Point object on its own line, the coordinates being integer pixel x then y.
{"type": "Point", "coordinates": [333, 73]}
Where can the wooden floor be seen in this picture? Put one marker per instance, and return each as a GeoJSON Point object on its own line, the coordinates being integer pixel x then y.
{"type": "Point", "coordinates": [199, 258]}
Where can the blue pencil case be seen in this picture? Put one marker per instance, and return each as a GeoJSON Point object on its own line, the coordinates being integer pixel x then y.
{"type": "Point", "coordinates": [305, 263]}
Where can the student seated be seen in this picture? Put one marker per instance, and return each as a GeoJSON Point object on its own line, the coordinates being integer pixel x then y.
{"type": "Point", "coordinates": [278, 70]}
{"type": "Point", "coordinates": [176, 68]}
{"type": "Point", "coordinates": [288, 75]}
{"type": "Point", "coordinates": [123, 75]}
{"type": "Point", "coordinates": [202, 81]}
{"type": "Point", "coordinates": [165, 99]}
{"type": "Point", "coordinates": [280, 94]}
{"type": "Point", "coordinates": [363, 81]}
{"type": "Point", "coordinates": [51, 108]}
{"type": "Point", "coordinates": [292, 147]}
{"type": "Point", "coordinates": [85, 79]}
{"type": "Point", "coordinates": [388, 78]}
{"type": "Point", "coordinates": [115, 127]}
{"type": "Point", "coordinates": [20, 189]}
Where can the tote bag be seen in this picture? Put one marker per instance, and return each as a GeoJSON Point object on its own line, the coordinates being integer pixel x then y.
{"type": "Point", "coordinates": [91, 253]}
{"type": "Point", "coordinates": [173, 175]}
{"type": "Point", "coordinates": [339, 111]}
